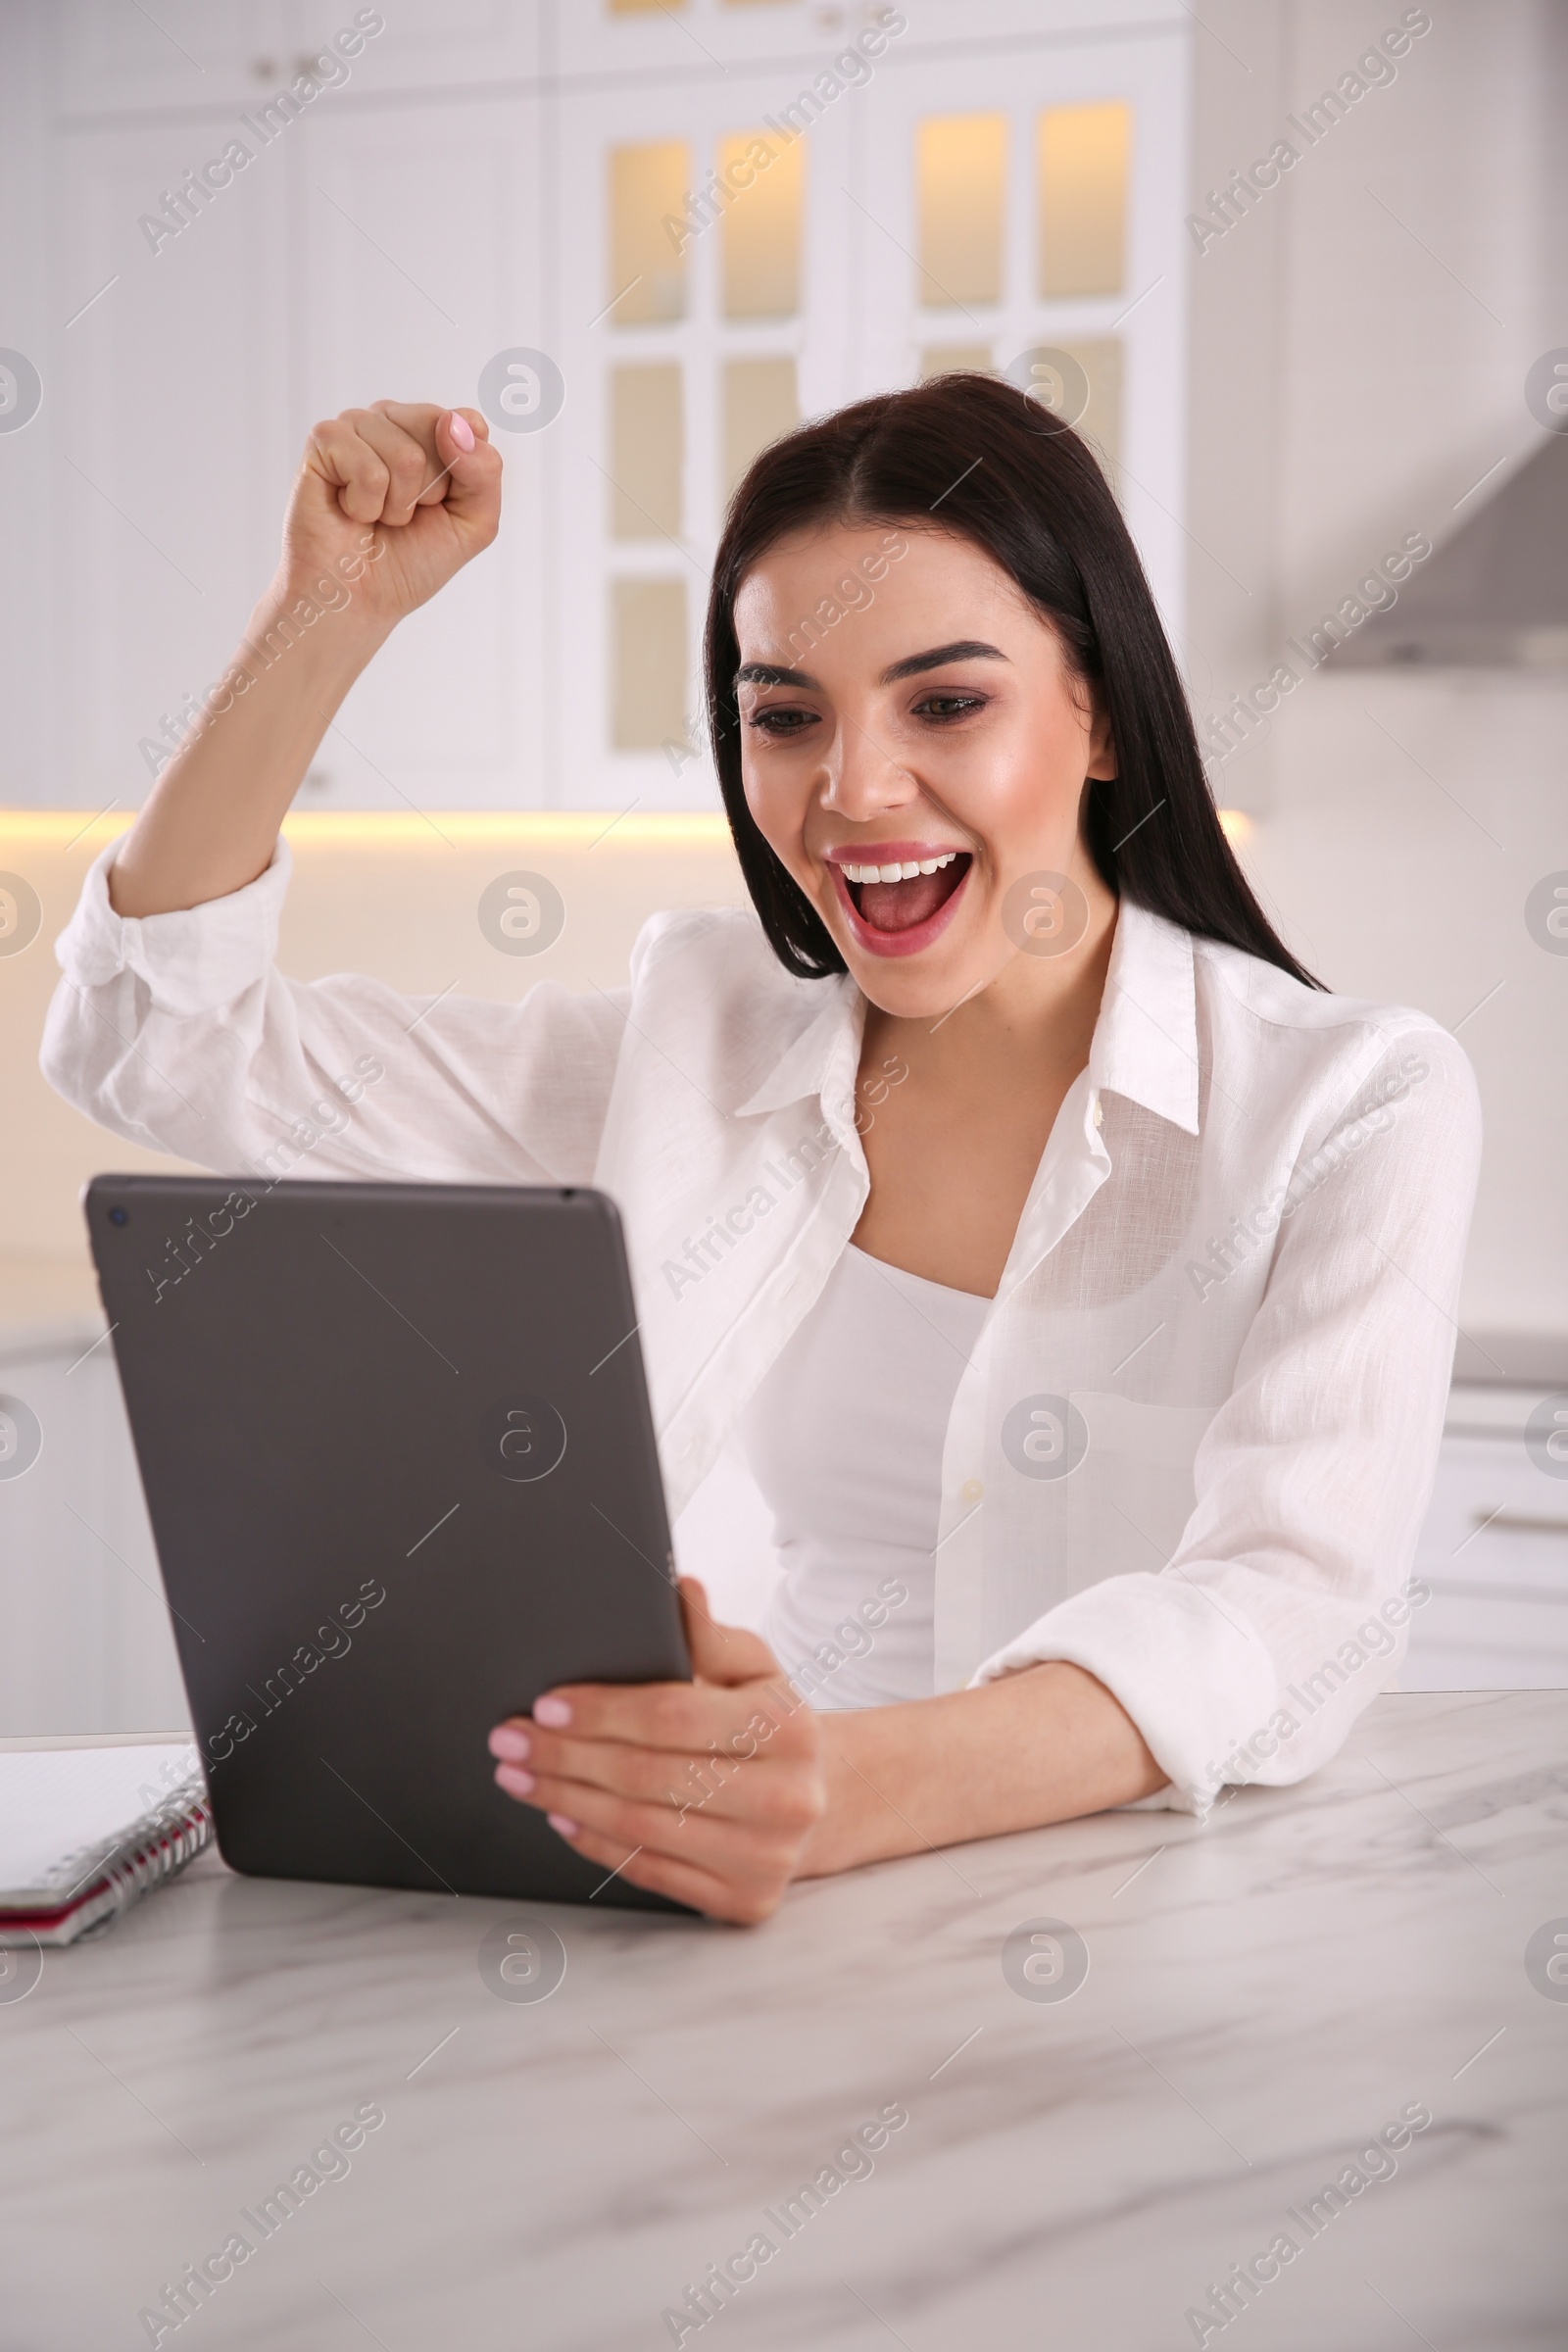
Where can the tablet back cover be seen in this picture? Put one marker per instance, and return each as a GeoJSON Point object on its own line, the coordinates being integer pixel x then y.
{"type": "Point", "coordinates": [400, 1466]}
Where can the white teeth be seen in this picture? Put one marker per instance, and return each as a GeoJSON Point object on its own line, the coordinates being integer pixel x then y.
{"type": "Point", "coordinates": [905, 872]}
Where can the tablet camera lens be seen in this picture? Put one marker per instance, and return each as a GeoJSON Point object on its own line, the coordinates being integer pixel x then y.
{"type": "Point", "coordinates": [118, 1216]}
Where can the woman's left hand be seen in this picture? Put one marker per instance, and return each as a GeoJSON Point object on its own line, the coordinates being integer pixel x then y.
{"type": "Point", "coordinates": [705, 1791]}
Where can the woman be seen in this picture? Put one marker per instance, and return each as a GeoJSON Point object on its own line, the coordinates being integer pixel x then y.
{"type": "Point", "coordinates": [1078, 1275]}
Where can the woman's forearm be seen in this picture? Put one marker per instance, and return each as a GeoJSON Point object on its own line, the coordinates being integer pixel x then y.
{"type": "Point", "coordinates": [1045, 1744]}
{"type": "Point", "coordinates": [388, 504]}
{"type": "Point", "coordinates": [212, 819]}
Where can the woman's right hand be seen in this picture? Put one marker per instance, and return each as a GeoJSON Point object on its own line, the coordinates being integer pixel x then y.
{"type": "Point", "coordinates": [391, 500]}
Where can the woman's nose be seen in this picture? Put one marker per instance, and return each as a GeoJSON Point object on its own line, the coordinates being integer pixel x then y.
{"type": "Point", "coordinates": [863, 776]}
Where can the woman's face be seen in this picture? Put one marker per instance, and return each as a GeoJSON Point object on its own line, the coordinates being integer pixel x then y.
{"type": "Point", "coordinates": [903, 705]}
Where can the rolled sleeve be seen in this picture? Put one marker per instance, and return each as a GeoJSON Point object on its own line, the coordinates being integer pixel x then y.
{"type": "Point", "coordinates": [177, 1032]}
{"type": "Point", "coordinates": [1193, 1679]}
{"type": "Point", "coordinates": [189, 963]}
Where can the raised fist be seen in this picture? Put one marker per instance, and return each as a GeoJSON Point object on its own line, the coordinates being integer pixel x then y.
{"type": "Point", "coordinates": [391, 501]}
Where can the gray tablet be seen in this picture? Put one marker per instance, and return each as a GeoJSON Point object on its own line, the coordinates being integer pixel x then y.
{"type": "Point", "coordinates": [400, 1465]}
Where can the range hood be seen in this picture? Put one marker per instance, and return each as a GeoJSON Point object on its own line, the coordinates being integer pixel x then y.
{"type": "Point", "coordinates": [1495, 595]}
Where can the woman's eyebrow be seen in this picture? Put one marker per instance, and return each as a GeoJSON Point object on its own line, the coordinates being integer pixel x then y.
{"type": "Point", "coordinates": [769, 674]}
{"type": "Point", "coordinates": [967, 649]}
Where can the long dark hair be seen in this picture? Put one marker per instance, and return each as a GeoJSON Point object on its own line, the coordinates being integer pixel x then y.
{"type": "Point", "coordinates": [991, 464]}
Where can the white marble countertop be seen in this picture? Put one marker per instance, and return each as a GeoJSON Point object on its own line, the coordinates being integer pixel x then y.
{"type": "Point", "coordinates": [1264, 1996]}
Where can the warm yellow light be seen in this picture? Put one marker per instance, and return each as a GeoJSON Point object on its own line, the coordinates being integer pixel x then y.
{"type": "Point", "coordinates": [649, 661]}
{"type": "Point", "coordinates": [962, 170]}
{"type": "Point", "coordinates": [647, 440]}
{"type": "Point", "coordinates": [385, 828]}
{"type": "Point", "coordinates": [761, 232]}
{"type": "Point", "coordinates": [1236, 827]}
{"type": "Point", "coordinates": [760, 402]}
{"type": "Point", "coordinates": [1082, 159]}
{"type": "Point", "coordinates": [58, 828]}
{"type": "Point", "coordinates": [948, 359]}
{"type": "Point", "coordinates": [648, 275]}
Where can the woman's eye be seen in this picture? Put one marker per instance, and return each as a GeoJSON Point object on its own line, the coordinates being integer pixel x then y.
{"type": "Point", "coordinates": [775, 719]}
{"type": "Point", "coordinates": [948, 706]}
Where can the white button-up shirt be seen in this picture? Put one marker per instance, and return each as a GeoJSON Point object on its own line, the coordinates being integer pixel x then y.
{"type": "Point", "coordinates": [1196, 1439]}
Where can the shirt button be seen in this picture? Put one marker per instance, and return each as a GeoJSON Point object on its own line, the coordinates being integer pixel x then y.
{"type": "Point", "coordinates": [1100, 1116]}
{"type": "Point", "coordinates": [971, 1490]}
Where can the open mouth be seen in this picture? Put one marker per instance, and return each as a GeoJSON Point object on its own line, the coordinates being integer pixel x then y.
{"type": "Point", "coordinates": [900, 906]}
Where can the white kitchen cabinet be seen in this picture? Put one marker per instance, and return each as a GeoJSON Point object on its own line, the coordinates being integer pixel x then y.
{"type": "Point", "coordinates": [650, 37]}
{"type": "Point", "coordinates": [85, 1644]}
{"type": "Point", "coordinates": [418, 249]}
{"type": "Point", "coordinates": [164, 436]}
{"type": "Point", "coordinates": [449, 201]}
{"type": "Point", "coordinates": [185, 53]}
{"type": "Point", "coordinates": [435, 46]}
{"type": "Point", "coordinates": [235, 54]}
{"type": "Point", "coordinates": [696, 344]}
{"type": "Point", "coordinates": [1495, 1554]}
{"type": "Point", "coordinates": [1129, 333]}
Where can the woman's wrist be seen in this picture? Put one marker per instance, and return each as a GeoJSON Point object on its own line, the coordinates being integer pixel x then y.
{"type": "Point", "coordinates": [861, 1821]}
{"type": "Point", "coordinates": [1046, 1743]}
{"type": "Point", "coordinates": [321, 618]}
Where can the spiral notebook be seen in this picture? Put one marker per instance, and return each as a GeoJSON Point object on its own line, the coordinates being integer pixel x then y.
{"type": "Point", "coordinates": [84, 1832]}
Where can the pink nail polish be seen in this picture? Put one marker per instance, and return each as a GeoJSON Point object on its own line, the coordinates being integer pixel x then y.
{"type": "Point", "coordinates": [560, 1825]}
{"type": "Point", "coordinates": [508, 1742]}
{"type": "Point", "coordinates": [554, 1713]}
{"type": "Point", "coordinates": [461, 432]}
{"type": "Point", "coordinates": [514, 1780]}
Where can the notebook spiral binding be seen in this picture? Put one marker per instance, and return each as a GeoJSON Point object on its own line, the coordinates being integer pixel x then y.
{"type": "Point", "coordinates": [181, 1830]}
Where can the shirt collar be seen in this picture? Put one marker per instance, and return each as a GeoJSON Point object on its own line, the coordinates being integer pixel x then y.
{"type": "Point", "coordinates": [1145, 1040]}
{"type": "Point", "coordinates": [822, 1057]}
{"type": "Point", "coordinates": [1144, 1044]}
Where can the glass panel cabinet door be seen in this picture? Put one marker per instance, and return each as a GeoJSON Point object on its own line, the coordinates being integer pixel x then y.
{"type": "Point", "coordinates": [699, 313]}
{"type": "Point", "coordinates": [743, 248]}
{"type": "Point", "coordinates": [962, 181]}
{"type": "Point", "coordinates": [1025, 216]}
{"type": "Point", "coordinates": [1083, 178]}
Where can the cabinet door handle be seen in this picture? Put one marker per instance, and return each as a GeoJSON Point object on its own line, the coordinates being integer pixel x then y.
{"type": "Point", "coordinates": [1518, 1527]}
{"type": "Point", "coordinates": [1460, 1588]}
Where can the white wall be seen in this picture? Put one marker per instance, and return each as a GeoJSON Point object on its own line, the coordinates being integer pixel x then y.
{"type": "Point", "coordinates": [1352, 378]}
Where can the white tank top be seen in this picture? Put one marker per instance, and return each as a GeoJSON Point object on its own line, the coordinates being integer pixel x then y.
{"type": "Point", "coordinates": [845, 1439]}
